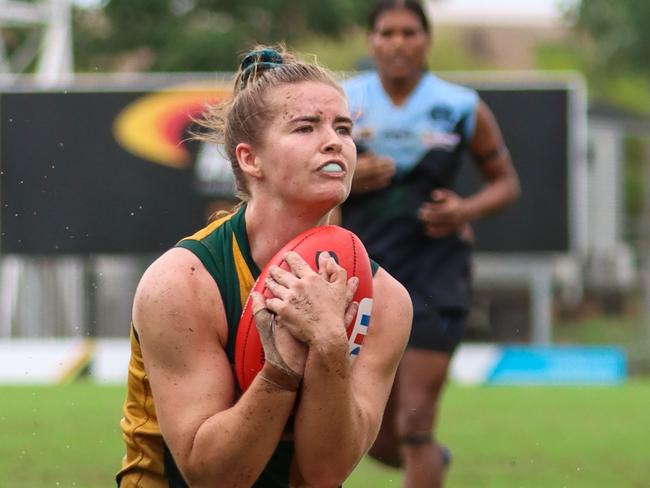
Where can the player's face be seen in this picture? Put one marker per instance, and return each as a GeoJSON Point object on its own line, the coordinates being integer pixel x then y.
{"type": "Point", "coordinates": [399, 44]}
{"type": "Point", "coordinates": [307, 154]}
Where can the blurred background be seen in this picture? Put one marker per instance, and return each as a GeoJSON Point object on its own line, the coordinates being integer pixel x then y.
{"type": "Point", "coordinates": [568, 81]}
{"type": "Point", "coordinates": [98, 176]}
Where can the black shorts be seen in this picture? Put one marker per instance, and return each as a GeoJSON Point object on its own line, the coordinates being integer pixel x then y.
{"type": "Point", "coordinates": [441, 331]}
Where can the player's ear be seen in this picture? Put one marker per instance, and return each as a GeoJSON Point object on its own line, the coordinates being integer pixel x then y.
{"type": "Point", "coordinates": [247, 159]}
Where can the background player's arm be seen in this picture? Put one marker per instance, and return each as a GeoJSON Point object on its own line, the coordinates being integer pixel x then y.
{"type": "Point", "coordinates": [342, 404]}
{"type": "Point", "coordinates": [447, 212]}
{"type": "Point", "coordinates": [493, 160]}
{"type": "Point", "coordinates": [181, 325]}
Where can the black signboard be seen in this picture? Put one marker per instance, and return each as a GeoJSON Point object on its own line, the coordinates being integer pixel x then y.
{"type": "Point", "coordinates": [77, 179]}
{"type": "Point", "coordinates": [536, 128]}
{"type": "Point", "coordinates": [68, 185]}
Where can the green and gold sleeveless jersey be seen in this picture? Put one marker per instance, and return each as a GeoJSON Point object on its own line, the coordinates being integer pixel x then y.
{"type": "Point", "coordinates": [223, 249]}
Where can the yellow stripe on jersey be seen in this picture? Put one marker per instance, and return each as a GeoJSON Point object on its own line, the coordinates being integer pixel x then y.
{"type": "Point", "coordinates": [246, 280]}
{"type": "Point", "coordinates": [143, 464]}
{"type": "Point", "coordinates": [201, 234]}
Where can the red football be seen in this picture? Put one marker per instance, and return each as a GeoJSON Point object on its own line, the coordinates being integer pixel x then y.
{"type": "Point", "coordinates": [348, 251]}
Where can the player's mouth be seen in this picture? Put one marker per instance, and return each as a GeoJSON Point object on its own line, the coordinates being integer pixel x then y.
{"type": "Point", "coordinates": [399, 61]}
{"type": "Point", "coordinates": [333, 168]}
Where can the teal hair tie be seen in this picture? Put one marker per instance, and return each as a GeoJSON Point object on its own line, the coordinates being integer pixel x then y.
{"type": "Point", "coordinates": [265, 59]}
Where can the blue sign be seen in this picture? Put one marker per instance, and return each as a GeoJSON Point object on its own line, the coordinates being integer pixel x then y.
{"type": "Point", "coordinates": [560, 365]}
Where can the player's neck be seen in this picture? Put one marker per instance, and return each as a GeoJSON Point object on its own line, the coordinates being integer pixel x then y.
{"type": "Point", "coordinates": [269, 227]}
{"type": "Point", "coordinates": [399, 89]}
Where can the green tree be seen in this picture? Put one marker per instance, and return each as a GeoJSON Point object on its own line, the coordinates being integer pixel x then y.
{"type": "Point", "coordinates": [201, 35]}
{"type": "Point", "coordinates": [619, 30]}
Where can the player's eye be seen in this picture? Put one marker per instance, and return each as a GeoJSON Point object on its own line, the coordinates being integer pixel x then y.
{"type": "Point", "coordinates": [345, 130]}
{"type": "Point", "coordinates": [305, 129]}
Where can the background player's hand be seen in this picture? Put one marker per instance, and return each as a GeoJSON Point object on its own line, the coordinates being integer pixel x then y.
{"type": "Point", "coordinates": [373, 172]}
{"type": "Point", "coordinates": [443, 215]}
{"type": "Point", "coordinates": [314, 306]}
{"type": "Point", "coordinates": [279, 342]}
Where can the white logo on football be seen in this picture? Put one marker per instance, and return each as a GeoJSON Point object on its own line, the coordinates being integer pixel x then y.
{"type": "Point", "coordinates": [361, 324]}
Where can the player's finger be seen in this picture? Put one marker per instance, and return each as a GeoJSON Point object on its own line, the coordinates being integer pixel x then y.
{"type": "Point", "coordinates": [275, 305]}
{"type": "Point", "coordinates": [324, 270]}
{"type": "Point", "coordinates": [281, 276]}
{"type": "Point", "coordinates": [350, 313]}
{"type": "Point", "coordinates": [278, 290]}
{"type": "Point", "coordinates": [263, 316]}
{"type": "Point", "coordinates": [432, 215]}
{"type": "Point", "coordinates": [335, 272]}
{"type": "Point", "coordinates": [426, 214]}
{"type": "Point", "coordinates": [351, 289]}
{"type": "Point", "coordinates": [297, 264]}
{"type": "Point", "coordinates": [258, 302]}
{"type": "Point", "coordinates": [328, 268]}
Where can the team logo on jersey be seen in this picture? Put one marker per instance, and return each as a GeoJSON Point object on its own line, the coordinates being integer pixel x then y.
{"type": "Point", "coordinates": [441, 113]}
{"type": "Point", "coordinates": [153, 127]}
{"type": "Point", "coordinates": [361, 325]}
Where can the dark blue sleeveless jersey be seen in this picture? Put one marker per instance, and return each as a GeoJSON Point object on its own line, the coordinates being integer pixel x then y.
{"type": "Point", "coordinates": [425, 137]}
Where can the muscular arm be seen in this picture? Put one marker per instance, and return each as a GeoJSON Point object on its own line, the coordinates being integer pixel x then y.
{"type": "Point", "coordinates": [494, 163]}
{"type": "Point", "coordinates": [180, 319]}
{"type": "Point", "coordinates": [342, 403]}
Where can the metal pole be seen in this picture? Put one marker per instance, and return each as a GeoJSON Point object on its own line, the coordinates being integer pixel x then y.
{"type": "Point", "coordinates": [56, 62]}
{"type": "Point", "coordinates": [541, 303]}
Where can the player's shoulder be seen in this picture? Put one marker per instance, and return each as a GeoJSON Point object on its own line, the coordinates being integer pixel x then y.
{"type": "Point", "coordinates": [172, 279]}
{"type": "Point", "coordinates": [451, 90]}
{"type": "Point", "coordinates": [359, 82]}
{"type": "Point", "coordinates": [392, 314]}
{"type": "Point", "coordinates": [388, 290]}
{"type": "Point", "coordinates": [170, 263]}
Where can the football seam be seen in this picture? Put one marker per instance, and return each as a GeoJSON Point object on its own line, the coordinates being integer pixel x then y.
{"type": "Point", "coordinates": [354, 254]}
{"type": "Point", "coordinates": [316, 231]}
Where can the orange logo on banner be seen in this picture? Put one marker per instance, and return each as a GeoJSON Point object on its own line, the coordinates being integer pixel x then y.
{"type": "Point", "coordinates": [153, 126]}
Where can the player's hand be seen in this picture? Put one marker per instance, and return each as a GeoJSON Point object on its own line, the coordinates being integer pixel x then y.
{"type": "Point", "coordinates": [372, 173]}
{"type": "Point", "coordinates": [280, 347]}
{"type": "Point", "coordinates": [443, 215]}
{"type": "Point", "coordinates": [314, 306]}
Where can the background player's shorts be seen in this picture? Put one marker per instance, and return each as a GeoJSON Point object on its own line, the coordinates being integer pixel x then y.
{"type": "Point", "coordinates": [441, 331]}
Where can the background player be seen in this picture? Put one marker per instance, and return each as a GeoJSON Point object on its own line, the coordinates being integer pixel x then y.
{"type": "Point", "coordinates": [411, 129]}
{"type": "Point", "coordinates": [288, 134]}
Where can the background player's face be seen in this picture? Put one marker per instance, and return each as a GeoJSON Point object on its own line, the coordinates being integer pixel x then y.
{"type": "Point", "coordinates": [399, 44]}
{"type": "Point", "coordinates": [307, 154]}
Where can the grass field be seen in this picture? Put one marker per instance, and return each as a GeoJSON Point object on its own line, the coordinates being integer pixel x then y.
{"type": "Point", "coordinates": [501, 437]}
